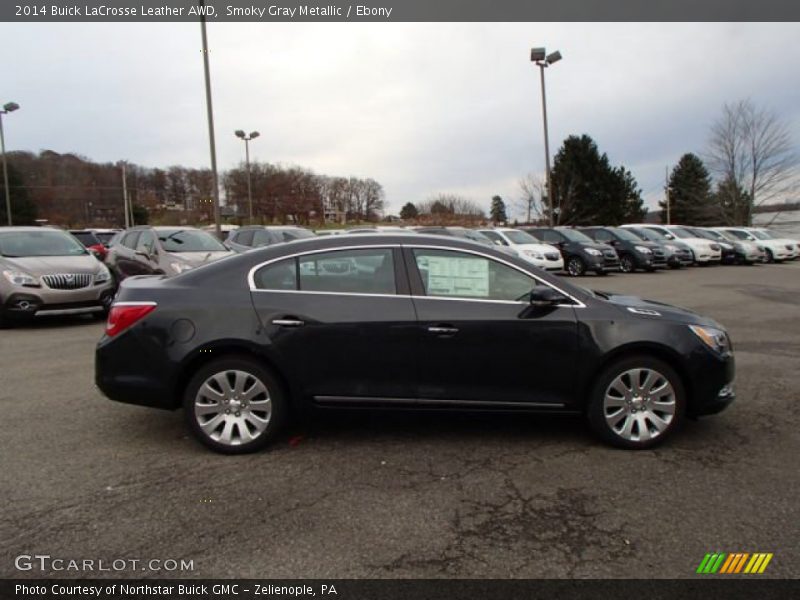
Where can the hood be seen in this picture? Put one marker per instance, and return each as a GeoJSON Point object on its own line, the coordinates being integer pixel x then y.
{"type": "Point", "coordinates": [48, 265]}
{"type": "Point", "coordinates": [665, 311]}
{"type": "Point", "coordinates": [199, 258]}
{"type": "Point", "coordinates": [538, 248]}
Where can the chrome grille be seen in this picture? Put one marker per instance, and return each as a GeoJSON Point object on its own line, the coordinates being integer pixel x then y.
{"type": "Point", "coordinates": [67, 281]}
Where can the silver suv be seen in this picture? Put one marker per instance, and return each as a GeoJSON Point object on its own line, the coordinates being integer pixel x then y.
{"type": "Point", "coordinates": [46, 271]}
{"type": "Point", "coordinates": [163, 251]}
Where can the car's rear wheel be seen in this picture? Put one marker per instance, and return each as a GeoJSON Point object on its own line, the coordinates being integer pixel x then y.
{"type": "Point", "coordinates": [637, 403]}
{"type": "Point", "coordinates": [575, 266]}
{"type": "Point", "coordinates": [234, 405]}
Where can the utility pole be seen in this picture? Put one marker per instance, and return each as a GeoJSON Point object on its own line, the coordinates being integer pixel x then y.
{"type": "Point", "coordinates": [7, 108]}
{"type": "Point", "coordinates": [125, 197]}
{"type": "Point", "coordinates": [210, 115]}
{"type": "Point", "coordinates": [666, 193]}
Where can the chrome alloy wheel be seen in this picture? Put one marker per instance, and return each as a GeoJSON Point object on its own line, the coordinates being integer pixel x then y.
{"type": "Point", "coordinates": [639, 404]}
{"type": "Point", "coordinates": [233, 407]}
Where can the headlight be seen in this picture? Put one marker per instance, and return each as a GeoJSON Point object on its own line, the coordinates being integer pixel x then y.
{"type": "Point", "coordinates": [533, 254]}
{"type": "Point", "coordinates": [179, 267]}
{"type": "Point", "coordinates": [593, 252]}
{"type": "Point", "coordinates": [714, 338]}
{"type": "Point", "coordinates": [643, 250]}
{"type": "Point", "coordinates": [103, 276]}
{"type": "Point", "coordinates": [20, 278]}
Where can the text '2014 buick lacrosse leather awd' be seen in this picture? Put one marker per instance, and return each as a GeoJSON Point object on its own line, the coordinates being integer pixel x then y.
{"type": "Point", "coordinates": [404, 322]}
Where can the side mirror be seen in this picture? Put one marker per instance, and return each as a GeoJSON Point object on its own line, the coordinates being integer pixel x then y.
{"type": "Point", "coordinates": [669, 236]}
{"type": "Point", "coordinates": [544, 295]}
{"type": "Point", "coordinates": [498, 243]}
{"type": "Point", "coordinates": [96, 254]}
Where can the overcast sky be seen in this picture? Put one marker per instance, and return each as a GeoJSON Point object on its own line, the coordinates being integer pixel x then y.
{"type": "Point", "coordinates": [422, 108]}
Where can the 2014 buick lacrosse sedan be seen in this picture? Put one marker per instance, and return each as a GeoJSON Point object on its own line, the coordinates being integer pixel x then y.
{"type": "Point", "coordinates": [404, 322]}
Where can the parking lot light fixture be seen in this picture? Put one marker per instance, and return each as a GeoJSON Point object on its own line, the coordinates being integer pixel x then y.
{"type": "Point", "coordinates": [7, 108]}
{"type": "Point", "coordinates": [246, 139]}
{"type": "Point", "coordinates": [542, 60]}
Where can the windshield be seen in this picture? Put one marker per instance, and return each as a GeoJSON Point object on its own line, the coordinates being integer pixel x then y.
{"type": "Point", "coordinates": [681, 233]}
{"type": "Point", "coordinates": [520, 237]}
{"type": "Point", "coordinates": [20, 244]}
{"type": "Point", "coordinates": [298, 233]}
{"type": "Point", "coordinates": [727, 235]}
{"type": "Point", "coordinates": [714, 235]}
{"type": "Point", "coordinates": [87, 238]}
{"type": "Point", "coordinates": [189, 240]}
{"type": "Point", "coordinates": [576, 236]}
{"type": "Point", "coordinates": [105, 236]}
{"type": "Point", "coordinates": [700, 233]}
{"type": "Point", "coordinates": [624, 234]}
{"type": "Point", "coordinates": [762, 235]}
{"type": "Point", "coordinates": [469, 234]}
{"type": "Point", "coordinates": [648, 234]}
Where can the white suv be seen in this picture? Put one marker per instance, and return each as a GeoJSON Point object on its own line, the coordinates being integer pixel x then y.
{"type": "Point", "coordinates": [705, 251]}
{"type": "Point", "coordinates": [527, 247]}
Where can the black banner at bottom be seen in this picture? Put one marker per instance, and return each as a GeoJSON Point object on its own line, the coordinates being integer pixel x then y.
{"type": "Point", "coordinates": [731, 588]}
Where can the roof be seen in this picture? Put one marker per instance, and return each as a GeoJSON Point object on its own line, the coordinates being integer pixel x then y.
{"type": "Point", "coordinates": [26, 228]}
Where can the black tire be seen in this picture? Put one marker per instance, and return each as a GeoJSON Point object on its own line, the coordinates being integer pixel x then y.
{"type": "Point", "coordinates": [596, 409]}
{"type": "Point", "coordinates": [601, 272]}
{"type": "Point", "coordinates": [770, 256]}
{"type": "Point", "coordinates": [278, 406]}
{"type": "Point", "coordinates": [627, 264]}
{"type": "Point", "coordinates": [575, 266]}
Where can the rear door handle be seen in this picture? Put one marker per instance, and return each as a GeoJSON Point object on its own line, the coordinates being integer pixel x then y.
{"type": "Point", "coordinates": [288, 322]}
{"type": "Point", "coordinates": [443, 330]}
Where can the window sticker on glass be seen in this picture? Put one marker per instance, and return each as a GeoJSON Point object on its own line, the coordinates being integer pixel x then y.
{"type": "Point", "coordinates": [450, 276]}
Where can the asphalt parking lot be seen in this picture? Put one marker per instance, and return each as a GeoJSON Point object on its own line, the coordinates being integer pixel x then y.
{"type": "Point", "coordinates": [408, 496]}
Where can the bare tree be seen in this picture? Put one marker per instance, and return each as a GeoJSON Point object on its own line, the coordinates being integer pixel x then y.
{"type": "Point", "coordinates": [531, 203]}
{"type": "Point", "coordinates": [751, 150]}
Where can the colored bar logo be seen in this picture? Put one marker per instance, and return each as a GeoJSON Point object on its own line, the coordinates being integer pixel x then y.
{"type": "Point", "coordinates": [734, 562]}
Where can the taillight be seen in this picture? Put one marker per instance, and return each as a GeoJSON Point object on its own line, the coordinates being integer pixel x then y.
{"type": "Point", "coordinates": [125, 314]}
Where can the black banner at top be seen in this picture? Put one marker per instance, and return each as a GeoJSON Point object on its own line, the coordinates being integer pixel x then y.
{"type": "Point", "coordinates": [398, 10]}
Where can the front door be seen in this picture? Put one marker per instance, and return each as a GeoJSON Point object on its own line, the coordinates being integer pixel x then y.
{"type": "Point", "coordinates": [481, 341]}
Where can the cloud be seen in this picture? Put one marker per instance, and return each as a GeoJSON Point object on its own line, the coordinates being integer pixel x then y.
{"type": "Point", "coordinates": [422, 108]}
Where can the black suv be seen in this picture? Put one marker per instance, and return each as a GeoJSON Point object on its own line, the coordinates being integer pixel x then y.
{"type": "Point", "coordinates": [634, 252]}
{"type": "Point", "coordinates": [580, 252]}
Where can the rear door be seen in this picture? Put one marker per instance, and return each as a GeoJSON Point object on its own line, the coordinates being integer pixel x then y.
{"type": "Point", "coordinates": [124, 260]}
{"type": "Point", "coordinates": [481, 340]}
{"type": "Point", "coordinates": [341, 322]}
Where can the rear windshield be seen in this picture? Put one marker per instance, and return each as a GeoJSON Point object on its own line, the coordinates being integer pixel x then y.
{"type": "Point", "coordinates": [189, 240]}
{"type": "Point", "coordinates": [39, 243]}
{"type": "Point", "coordinates": [105, 236]}
{"type": "Point", "coordinates": [295, 233]}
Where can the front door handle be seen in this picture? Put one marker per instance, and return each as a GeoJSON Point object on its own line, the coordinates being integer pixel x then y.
{"type": "Point", "coordinates": [288, 322]}
{"type": "Point", "coordinates": [443, 330]}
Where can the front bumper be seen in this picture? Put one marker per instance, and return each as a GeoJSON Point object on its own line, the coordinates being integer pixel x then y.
{"type": "Point", "coordinates": [28, 302]}
{"type": "Point", "coordinates": [711, 384]}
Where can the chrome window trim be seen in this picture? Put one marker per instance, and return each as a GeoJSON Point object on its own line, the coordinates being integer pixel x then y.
{"type": "Point", "coordinates": [135, 303]}
{"type": "Point", "coordinates": [251, 275]}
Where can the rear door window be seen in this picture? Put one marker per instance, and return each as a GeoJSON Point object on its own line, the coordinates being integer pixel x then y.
{"type": "Point", "coordinates": [362, 271]}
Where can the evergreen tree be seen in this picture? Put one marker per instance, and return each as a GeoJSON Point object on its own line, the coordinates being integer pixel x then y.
{"type": "Point", "coordinates": [691, 201]}
{"type": "Point", "coordinates": [588, 190]}
{"type": "Point", "coordinates": [498, 210]}
{"type": "Point", "coordinates": [409, 211]}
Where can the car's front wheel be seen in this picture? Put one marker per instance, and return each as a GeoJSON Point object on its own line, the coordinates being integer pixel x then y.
{"type": "Point", "coordinates": [575, 266]}
{"type": "Point", "coordinates": [627, 264]}
{"type": "Point", "coordinates": [234, 405]}
{"type": "Point", "coordinates": [637, 403]}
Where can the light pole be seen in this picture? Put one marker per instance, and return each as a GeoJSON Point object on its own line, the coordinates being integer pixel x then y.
{"type": "Point", "coordinates": [7, 108]}
{"type": "Point", "coordinates": [246, 138]}
{"type": "Point", "coordinates": [543, 60]}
